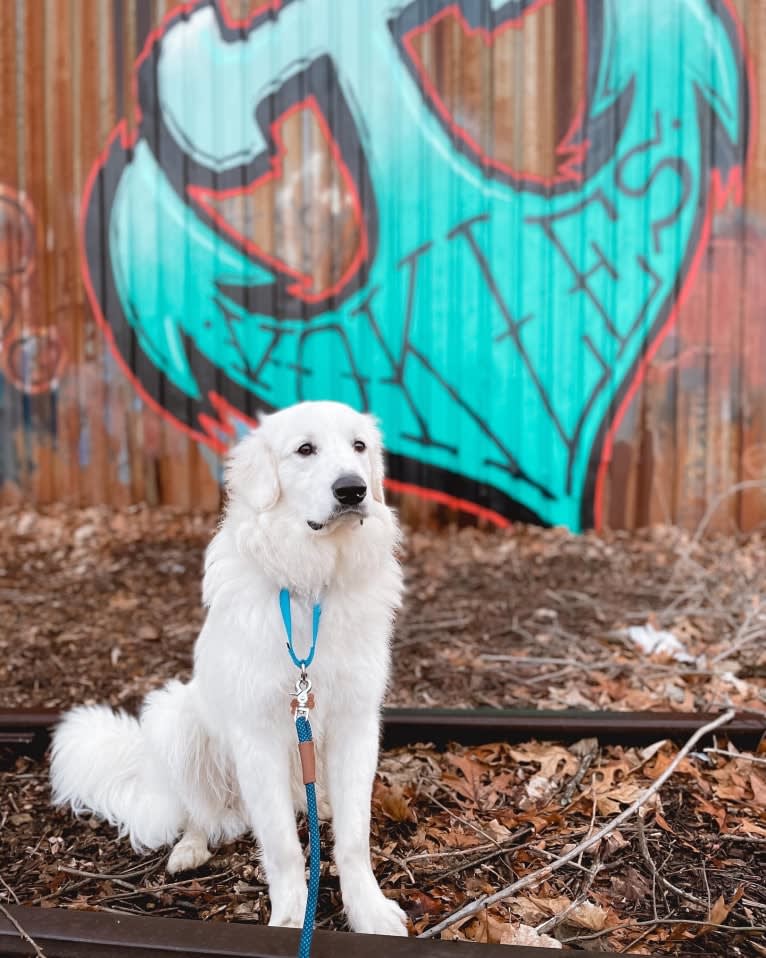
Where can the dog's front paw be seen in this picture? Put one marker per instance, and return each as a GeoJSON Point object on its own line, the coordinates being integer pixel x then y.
{"type": "Point", "coordinates": [289, 908]}
{"type": "Point", "coordinates": [378, 916]}
{"type": "Point", "coordinates": [186, 856]}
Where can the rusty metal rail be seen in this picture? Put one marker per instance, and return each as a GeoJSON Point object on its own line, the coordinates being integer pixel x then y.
{"type": "Point", "coordinates": [25, 732]}
{"type": "Point", "coordinates": [76, 934]}
{"type": "Point", "coordinates": [474, 726]}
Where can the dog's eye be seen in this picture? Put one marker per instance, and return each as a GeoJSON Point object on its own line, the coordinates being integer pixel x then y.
{"type": "Point", "coordinates": [306, 449]}
{"type": "Point", "coordinates": [359, 446]}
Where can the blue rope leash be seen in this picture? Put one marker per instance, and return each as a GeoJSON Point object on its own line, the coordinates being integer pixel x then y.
{"type": "Point", "coordinates": [303, 702]}
{"type": "Point", "coordinates": [304, 948]}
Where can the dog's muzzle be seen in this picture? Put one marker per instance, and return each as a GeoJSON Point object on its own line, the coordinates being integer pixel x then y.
{"type": "Point", "coordinates": [338, 513]}
{"type": "Point", "coordinates": [349, 492]}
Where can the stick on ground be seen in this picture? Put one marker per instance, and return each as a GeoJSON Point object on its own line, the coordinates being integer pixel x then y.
{"type": "Point", "coordinates": [29, 940]}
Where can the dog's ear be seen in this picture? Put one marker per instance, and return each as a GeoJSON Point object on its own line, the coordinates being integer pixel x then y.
{"type": "Point", "coordinates": [251, 472]}
{"type": "Point", "coordinates": [376, 459]}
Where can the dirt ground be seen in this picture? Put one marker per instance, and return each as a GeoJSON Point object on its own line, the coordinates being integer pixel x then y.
{"type": "Point", "coordinates": [98, 606]}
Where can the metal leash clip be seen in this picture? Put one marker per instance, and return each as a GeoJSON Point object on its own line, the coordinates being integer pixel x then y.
{"type": "Point", "coordinates": [303, 699]}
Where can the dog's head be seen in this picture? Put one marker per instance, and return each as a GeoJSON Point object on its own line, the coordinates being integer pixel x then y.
{"type": "Point", "coordinates": [318, 463]}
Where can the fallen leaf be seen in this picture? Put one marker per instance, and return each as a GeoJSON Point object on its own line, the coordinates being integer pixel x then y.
{"type": "Point", "coordinates": [631, 886]}
{"type": "Point", "coordinates": [417, 903]}
{"type": "Point", "coordinates": [758, 786]}
{"type": "Point", "coordinates": [20, 818]}
{"type": "Point", "coordinates": [394, 804]}
{"type": "Point", "coordinates": [607, 807]}
{"type": "Point", "coordinates": [716, 812]}
{"type": "Point", "coordinates": [614, 841]}
{"type": "Point", "coordinates": [524, 935]}
{"type": "Point", "coordinates": [540, 788]}
{"type": "Point", "coordinates": [720, 911]}
{"type": "Point", "coordinates": [589, 915]}
{"type": "Point", "coordinates": [750, 828]}
{"type": "Point", "coordinates": [497, 831]}
{"type": "Point", "coordinates": [469, 786]}
{"type": "Point", "coordinates": [538, 907]}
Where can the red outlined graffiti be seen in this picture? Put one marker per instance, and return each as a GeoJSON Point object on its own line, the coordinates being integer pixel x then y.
{"type": "Point", "coordinates": [230, 24]}
{"type": "Point", "coordinates": [570, 151]}
{"type": "Point", "coordinates": [194, 182]}
{"type": "Point", "coordinates": [207, 197]}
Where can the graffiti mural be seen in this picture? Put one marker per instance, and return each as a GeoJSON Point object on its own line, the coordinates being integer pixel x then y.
{"type": "Point", "coordinates": [31, 352]}
{"type": "Point", "coordinates": [494, 311]}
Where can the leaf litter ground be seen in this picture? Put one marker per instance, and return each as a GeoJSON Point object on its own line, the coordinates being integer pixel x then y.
{"type": "Point", "coordinates": [103, 606]}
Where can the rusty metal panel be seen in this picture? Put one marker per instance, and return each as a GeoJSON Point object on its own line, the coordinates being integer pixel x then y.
{"type": "Point", "coordinates": [65, 933]}
{"type": "Point", "coordinates": [528, 234]}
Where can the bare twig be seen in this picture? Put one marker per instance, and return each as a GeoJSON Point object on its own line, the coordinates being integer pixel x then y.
{"type": "Point", "coordinates": [656, 872]}
{"type": "Point", "coordinates": [542, 873]}
{"type": "Point", "coordinates": [594, 807]}
{"type": "Point", "coordinates": [11, 891]}
{"type": "Point", "coordinates": [452, 853]}
{"type": "Point", "coordinates": [140, 889]}
{"type": "Point", "coordinates": [397, 861]}
{"type": "Point", "coordinates": [586, 760]}
{"type": "Point", "coordinates": [27, 938]}
{"type": "Point", "coordinates": [751, 629]}
{"type": "Point", "coordinates": [631, 945]}
{"type": "Point", "coordinates": [199, 879]}
{"type": "Point", "coordinates": [95, 875]}
{"type": "Point", "coordinates": [551, 857]}
{"type": "Point", "coordinates": [718, 501]}
{"type": "Point", "coordinates": [508, 845]}
{"type": "Point", "coordinates": [545, 660]}
{"type": "Point", "coordinates": [139, 872]}
{"type": "Point", "coordinates": [740, 756]}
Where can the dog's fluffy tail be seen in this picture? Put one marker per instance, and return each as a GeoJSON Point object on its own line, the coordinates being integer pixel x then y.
{"type": "Point", "coordinates": [102, 762]}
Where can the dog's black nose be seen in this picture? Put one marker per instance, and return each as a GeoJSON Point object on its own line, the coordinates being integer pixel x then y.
{"type": "Point", "coordinates": [349, 490]}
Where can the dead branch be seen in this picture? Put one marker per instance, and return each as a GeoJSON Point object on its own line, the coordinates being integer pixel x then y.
{"type": "Point", "coordinates": [546, 871]}
{"type": "Point", "coordinates": [10, 890]}
{"type": "Point", "coordinates": [25, 937]}
{"type": "Point", "coordinates": [587, 749]}
{"type": "Point", "coordinates": [95, 875]}
{"type": "Point", "coordinates": [739, 756]}
{"type": "Point", "coordinates": [507, 846]}
{"type": "Point", "coordinates": [718, 502]}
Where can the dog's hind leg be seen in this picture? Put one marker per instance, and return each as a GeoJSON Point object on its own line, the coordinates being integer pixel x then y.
{"type": "Point", "coordinates": [189, 852]}
{"type": "Point", "coordinates": [195, 767]}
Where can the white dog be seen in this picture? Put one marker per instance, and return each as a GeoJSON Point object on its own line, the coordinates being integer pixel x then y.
{"type": "Point", "coordinates": [213, 757]}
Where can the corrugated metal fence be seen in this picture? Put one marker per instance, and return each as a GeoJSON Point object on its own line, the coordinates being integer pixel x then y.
{"type": "Point", "coordinates": [529, 235]}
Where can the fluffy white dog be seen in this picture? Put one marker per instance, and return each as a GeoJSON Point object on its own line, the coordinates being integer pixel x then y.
{"type": "Point", "coordinates": [209, 759]}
